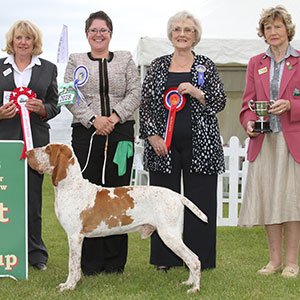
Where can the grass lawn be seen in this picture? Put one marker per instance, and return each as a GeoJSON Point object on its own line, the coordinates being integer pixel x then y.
{"type": "Point", "coordinates": [240, 253]}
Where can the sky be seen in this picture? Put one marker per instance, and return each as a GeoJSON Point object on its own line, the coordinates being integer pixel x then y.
{"type": "Point", "coordinates": [133, 19]}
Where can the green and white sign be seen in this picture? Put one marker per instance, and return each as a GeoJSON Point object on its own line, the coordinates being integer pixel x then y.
{"type": "Point", "coordinates": [13, 211]}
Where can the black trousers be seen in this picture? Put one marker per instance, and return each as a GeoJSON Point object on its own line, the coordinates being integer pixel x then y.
{"type": "Point", "coordinates": [37, 252]}
{"type": "Point", "coordinates": [201, 189]}
{"type": "Point", "coordinates": [107, 254]}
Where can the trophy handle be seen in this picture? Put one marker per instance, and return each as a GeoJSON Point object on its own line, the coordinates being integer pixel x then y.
{"type": "Point", "coordinates": [251, 105]}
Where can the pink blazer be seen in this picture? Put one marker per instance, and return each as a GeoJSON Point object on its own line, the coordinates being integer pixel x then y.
{"type": "Point", "coordinates": [258, 88]}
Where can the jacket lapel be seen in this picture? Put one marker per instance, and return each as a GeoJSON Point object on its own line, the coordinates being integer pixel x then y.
{"type": "Point", "coordinates": [288, 72]}
{"type": "Point", "coordinates": [10, 76]}
{"type": "Point", "coordinates": [36, 76]}
{"type": "Point", "coordinates": [264, 75]}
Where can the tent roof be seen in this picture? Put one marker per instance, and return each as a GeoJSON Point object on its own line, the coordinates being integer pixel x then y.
{"type": "Point", "coordinates": [221, 51]}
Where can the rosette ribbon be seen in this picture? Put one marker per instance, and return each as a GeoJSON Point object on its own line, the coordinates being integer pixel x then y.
{"type": "Point", "coordinates": [173, 101]}
{"type": "Point", "coordinates": [81, 75]}
{"type": "Point", "coordinates": [79, 94]}
{"type": "Point", "coordinates": [20, 96]}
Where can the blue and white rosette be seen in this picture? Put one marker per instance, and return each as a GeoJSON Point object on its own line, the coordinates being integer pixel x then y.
{"type": "Point", "coordinates": [200, 69]}
{"type": "Point", "coordinates": [81, 75]}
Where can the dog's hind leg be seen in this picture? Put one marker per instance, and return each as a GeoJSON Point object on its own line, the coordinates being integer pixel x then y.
{"type": "Point", "coordinates": [176, 244]}
{"type": "Point", "coordinates": [75, 245]}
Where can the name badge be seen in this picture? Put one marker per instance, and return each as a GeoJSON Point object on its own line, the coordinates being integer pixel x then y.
{"type": "Point", "coordinates": [262, 71]}
{"type": "Point", "coordinates": [7, 72]}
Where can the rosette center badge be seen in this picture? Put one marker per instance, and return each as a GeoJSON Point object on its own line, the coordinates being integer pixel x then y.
{"type": "Point", "coordinates": [172, 97]}
{"type": "Point", "coordinates": [81, 75]}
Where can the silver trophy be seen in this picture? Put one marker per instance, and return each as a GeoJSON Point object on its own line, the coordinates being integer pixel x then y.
{"type": "Point", "coordinates": [261, 109]}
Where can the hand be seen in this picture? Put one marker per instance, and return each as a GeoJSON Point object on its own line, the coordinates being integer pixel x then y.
{"type": "Point", "coordinates": [114, 118]}
{"type": "Point", "coordinates": [158, 145]}
{"type": "Point", "coordinates": [249, 131]}
{"type": "Point", "coordinates": [103, 125]}
{"type": "Point", "coordinates": [36, 106]}
{"type": "Point", "coordinates": [280, 106]}
{"type": "Point", "coordinates": [188, 88]}
{"type": "Point", "coordinates": [8, 110]}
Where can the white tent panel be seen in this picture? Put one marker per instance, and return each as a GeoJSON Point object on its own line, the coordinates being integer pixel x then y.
{"type": "Point", "coordinates": [221, 51]}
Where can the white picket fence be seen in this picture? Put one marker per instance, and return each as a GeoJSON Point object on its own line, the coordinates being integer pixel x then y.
{"type": "Point", "coordinates": [231, 184]}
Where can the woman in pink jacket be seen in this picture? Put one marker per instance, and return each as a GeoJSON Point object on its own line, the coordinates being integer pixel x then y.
{"type": "Point", "coordinates": [272, 193]}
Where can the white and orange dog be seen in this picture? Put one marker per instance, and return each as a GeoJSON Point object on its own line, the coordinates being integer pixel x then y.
{"type": "Point", "coordinates": [87, 210]}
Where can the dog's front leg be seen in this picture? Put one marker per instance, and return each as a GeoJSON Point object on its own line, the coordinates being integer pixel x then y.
{"type": "Point", "coordinates": [75, 245]}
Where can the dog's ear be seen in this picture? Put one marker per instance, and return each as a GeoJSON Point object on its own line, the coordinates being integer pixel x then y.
{"type": "Point", "coordinates": [59, 157]}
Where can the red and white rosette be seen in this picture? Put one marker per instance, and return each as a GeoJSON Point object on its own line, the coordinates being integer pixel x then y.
{"type": "Point", "coordinates": [20, 96]}
{"type": "Point", "coordinates": [173, 101]}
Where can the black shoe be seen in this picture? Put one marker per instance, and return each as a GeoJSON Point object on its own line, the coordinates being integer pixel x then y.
{"type": "Point", "coordinates": [163, 268]}
{"type": "Point", "coordinates": [40, 266]}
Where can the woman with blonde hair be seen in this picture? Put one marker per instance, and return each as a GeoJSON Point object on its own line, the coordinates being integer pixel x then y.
{"type": "Point", "coordinates": [24, 69]}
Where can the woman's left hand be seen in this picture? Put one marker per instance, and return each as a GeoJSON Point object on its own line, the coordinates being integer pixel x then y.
{"type": "Point", "coordinates": [188, 88]}
{"type": "Point", "coordinates": [280, 106]}
{"type": "Point", "coordinates": [36, 106]}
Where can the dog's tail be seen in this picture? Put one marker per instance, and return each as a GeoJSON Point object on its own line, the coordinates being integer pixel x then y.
{"type": "Point", "coordinates": [191, 206]}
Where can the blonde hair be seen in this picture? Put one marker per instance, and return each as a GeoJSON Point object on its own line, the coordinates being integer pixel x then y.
{"type": "Point", "coordinates": [183, 15]}
{"type": "Point", "coordinates": [270, 14]}
{"type": "Point", "coordinates": [25, 27]}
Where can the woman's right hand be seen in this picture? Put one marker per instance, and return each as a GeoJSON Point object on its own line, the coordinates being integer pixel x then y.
{"type": "Point", "coordinates": [250, 128]}
{"type": "Point", "coordinates": [8, 110]}
{"type": "Point", "coordinates": [103, 125]}
{"type": "Point", "coordinates": [158, 145]}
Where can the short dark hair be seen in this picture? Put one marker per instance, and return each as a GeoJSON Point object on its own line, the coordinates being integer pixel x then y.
{"type": "Point", "coordinates": [98, 15]}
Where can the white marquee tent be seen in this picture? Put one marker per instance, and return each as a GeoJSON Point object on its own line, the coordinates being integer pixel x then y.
{"type": "Point", "coordinates": [221, 51]}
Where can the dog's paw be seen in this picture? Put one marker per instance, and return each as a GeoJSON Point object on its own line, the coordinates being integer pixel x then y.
{"type": "Point", "coordinates": [66, 286]}
{"type": "Point", "coordinates": [193, 290]}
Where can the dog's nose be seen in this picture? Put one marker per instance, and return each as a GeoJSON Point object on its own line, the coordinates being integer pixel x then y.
{"type": "Point", "coordinates": [28, 153]}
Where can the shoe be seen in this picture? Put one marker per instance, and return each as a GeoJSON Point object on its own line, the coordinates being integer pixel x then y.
{"type": "Point", "coordinates": [290, 272]}
{"type": "Point", "coordinates": [269, 269]}
{"type": "Point", "coordinates": [40, 266]}
{"type": "Point", "coordinates": [163, 268]}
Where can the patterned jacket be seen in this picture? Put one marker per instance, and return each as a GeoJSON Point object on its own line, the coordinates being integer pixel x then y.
{"type": "Point", "coordinates": [118, 74]}
{"type": "Point", "coordinates": [207, 150]}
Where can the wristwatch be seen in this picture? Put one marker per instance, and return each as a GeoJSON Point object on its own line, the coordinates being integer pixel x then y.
{"type": "Point", "coordinates": [92, 120]}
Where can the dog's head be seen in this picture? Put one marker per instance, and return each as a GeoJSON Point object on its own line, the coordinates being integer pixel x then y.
{"type": "Point", "coordinates": [52, 159]}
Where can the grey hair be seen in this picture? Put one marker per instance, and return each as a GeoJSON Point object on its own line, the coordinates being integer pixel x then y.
{"type": "Point", "coordinates": [183, 15]}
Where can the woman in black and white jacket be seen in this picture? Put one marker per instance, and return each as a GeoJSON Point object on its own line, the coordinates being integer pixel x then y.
{"type": "Point", "coordinates": [112, 92]}
{"type": "Point", "coordinates": [195, 146]}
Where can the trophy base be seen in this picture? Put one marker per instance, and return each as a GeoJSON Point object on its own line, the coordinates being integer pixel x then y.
{"type": "Point", "coordinates": [262, 127]}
